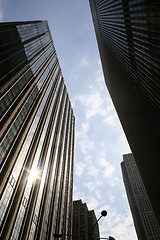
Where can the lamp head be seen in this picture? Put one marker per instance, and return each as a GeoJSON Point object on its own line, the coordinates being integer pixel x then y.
{"type": "Point", "coordinates": [104, 213]}
{"type": "Point", "coordinates": [111, 238]}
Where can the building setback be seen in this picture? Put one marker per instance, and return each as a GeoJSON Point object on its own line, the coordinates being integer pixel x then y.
{"type": "Point", "coordinates": [37, 135]}
{"type": "Point", "coordinates": [83, 222]}
{"type": "Point", "coordinates": [128, 35]}
{"type": "Point", "coordinates": [145, 222]}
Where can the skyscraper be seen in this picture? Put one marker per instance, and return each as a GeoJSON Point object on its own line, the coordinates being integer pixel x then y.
{"type": "Point", "coordinates": [83, 222]}
{"type": "Point", "coordinates": [37, 135]}
{"type": "Point", "coordinates": [146, 224]}
{"type": "Point", "coordinates": [128, 35]}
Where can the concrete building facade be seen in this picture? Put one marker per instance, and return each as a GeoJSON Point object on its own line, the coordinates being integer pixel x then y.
{"type": "Point", "coordinates": [145, 222]}
{"type": "Point", "coordinates": [83, 222]}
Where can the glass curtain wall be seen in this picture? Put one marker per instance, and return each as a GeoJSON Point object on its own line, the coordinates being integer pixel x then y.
{"type": "Point", "coordinates": [37, 135]}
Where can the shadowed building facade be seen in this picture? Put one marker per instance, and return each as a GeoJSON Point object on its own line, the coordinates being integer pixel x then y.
{"type": "Point", "coordinates": [83, 222]}
{"type": "Point", "coordinates": [128, 36]}
{"type": "Point", "coordinates": [37, 135]}
{"type": "Point", "coordinates": [145, 222]}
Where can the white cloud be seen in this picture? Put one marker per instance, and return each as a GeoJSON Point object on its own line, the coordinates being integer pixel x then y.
{"type": "Point", "coordinates": [93, 171]}
{"type": "Point", "coordinates": [84, 62]}
{"type": "Point", "coordinates": [85, 127]}
{"type": "Point", "coordinates": [99, 195]}
{"type": "Point", "coordinates": [112, 198]}
{"type": "Point", "coordinates": [83, 140]}
{"type": "Point", "coordinates": [115, 181]}
{"type": "Point", "coordinates": [123, 143]}
{"type": "Point", "coordinates": [92, 186]}
{"type": "Point", "coordinates": [93, 103]}
{"type": "Point", "coordinates": [94, 189]}
{"type": "Point", "coordinates": [118, 225]}
{"type": "Point", "coordinates": [79, 168]}
{"type": "Point", "coordinates": [78, 194]}
{"type": "Point", "coordinates": [88, 159]}
{"type": "Point", "coordinates": [123, 228]}
{"type": "Point", "coordinates": [110, 120]}
{"type": "Point", "coordinates": [92, 203]}
{"type": "Point", "coordinates": [122, 138]}
{"type": "Point", "coordinates": [96, 100]}
{"type": "Point", "coordinates": [108, 169]}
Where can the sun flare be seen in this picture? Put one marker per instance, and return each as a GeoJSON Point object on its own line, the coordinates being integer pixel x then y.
{"type": "Point", "coordinates": [33, 175]}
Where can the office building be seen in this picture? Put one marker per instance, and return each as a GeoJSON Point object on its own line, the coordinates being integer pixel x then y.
{"type": "Point", "coordinates": [37, 135]}
{"type": "Point", "coordinates": [128, 36]}
{"type": "Point", "coordinates": [145, 222]}
{"type": "Point", "coordinates": [83, 222]}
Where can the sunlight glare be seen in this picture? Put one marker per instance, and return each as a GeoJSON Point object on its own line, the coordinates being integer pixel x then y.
{"type": "Point", "coordinates": [34, 174]}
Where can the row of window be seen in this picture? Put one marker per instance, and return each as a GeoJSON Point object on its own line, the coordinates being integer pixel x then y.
{"type": "Point", "coordinates": [27, 31]}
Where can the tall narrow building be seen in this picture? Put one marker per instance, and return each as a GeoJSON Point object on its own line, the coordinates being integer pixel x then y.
{"type": "Point", "coordinates": [83, 222]}
{"type": "Point", "coordinates": [128, 36]}
{"type": "Point", "coordinates": [37, 136]}
{"type": "Point", "coordinates": [146, 224]}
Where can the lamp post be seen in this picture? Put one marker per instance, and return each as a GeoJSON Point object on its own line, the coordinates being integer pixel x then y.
{"type": "Point", "coordinates": [103, 214]}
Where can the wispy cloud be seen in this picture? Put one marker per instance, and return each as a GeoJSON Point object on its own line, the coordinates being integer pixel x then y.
{"type": "Point", "coordinates": [99, 158]}
{"type": "Point", "coordinates": [118, 225]}
{"type": "Point", "coordinates": [78, 194]}
{"type": "Point", "coordinates": [95, 98]}
{"type": "Point", "coordinates": [92, 186]}
{"type": "Point", "coordinates": [92, 102]}
{"type": "Point", "coordinates": [92, 203]}
{"type": "Point", "coordinates": [79, 168]}
{"type": "Point", "coordinates": [110, 120]}
{"type": "Point", "coordinates": [93, 171]}
{"type": "Point", "coordinates": [112, 198]}
{"type": "Point", "coordinates": [84, 62]}
{"type": "Point", "coordinates": [108, 169]}
{"type": "Point", "coordinates": [115, 181]}
{"type": "Point", "coordinates": [122, 227]}
{"type": "Point", "coordinates": [122, 141]}
{"type": "Point", "coordinates": [82, 139]}
{"type": "Point", "coordinates": [88, 159]}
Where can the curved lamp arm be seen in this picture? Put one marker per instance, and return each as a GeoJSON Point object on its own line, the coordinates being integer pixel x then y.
{"type": "Point", "coordinates": [110, 238]}
{"type": "Point", "coordinates": [103, 214]}
{"type": "Point", "coordinates": [102, 238]}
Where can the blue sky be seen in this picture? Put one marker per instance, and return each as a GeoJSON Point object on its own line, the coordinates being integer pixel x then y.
{"type": "Point", "coordinates": [99, 139]}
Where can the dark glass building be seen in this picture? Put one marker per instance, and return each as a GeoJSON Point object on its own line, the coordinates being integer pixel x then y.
{"type": "Point", "coordinates": [128, 35]}
{"type": "Point", "coordinates": [37, 135]}
{"type": "Point", "coordinates": [145, 222]}
{"type": "Point", "coordinates": [83, 222]}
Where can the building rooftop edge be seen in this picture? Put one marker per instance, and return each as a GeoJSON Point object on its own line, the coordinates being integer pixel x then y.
{"type": "Point", "coordinates": [22, 22]}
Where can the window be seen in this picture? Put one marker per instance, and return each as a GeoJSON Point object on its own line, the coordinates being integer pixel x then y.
{"type": "Point", "coordinates": [12, 181]}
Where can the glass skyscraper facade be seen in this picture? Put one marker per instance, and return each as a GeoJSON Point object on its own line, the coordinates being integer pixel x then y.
{"type": "Point", "coordinates": [146, 224]}
{"type": "Point", "coordinates": [128, 36]}
{"type": "Point", "coordinates": [37, 135]}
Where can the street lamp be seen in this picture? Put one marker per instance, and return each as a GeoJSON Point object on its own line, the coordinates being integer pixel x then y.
{"type": "Point", "coordinates": [103, 214]}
